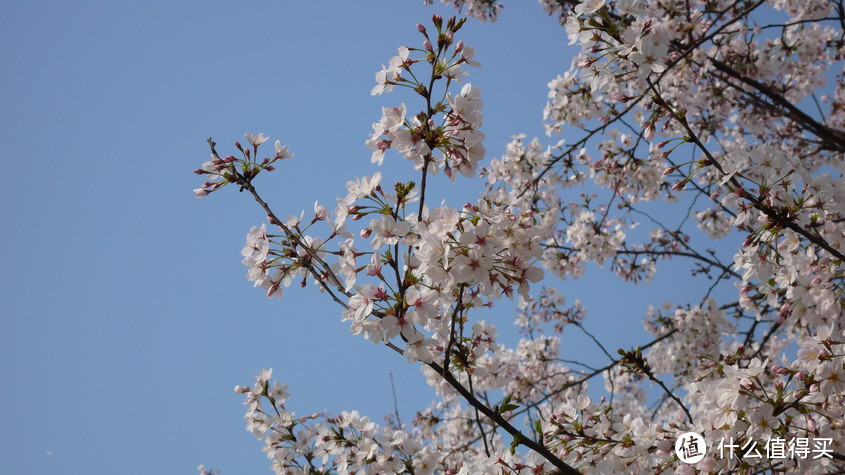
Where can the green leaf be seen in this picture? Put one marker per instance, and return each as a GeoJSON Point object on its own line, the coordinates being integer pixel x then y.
{"type": "Point", "coordinates": [516, 439]}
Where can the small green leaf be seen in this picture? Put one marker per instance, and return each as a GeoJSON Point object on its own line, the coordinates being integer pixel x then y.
{"type": "Point", "coordinates": [516, 439]}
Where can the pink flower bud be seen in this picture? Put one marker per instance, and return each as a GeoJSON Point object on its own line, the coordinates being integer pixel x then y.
{"type": "Point", "coordinates": [427, 45]}
{"type": "Point", "coordinates": [238, 146]}
{"type": "Point", "coordinates": [421, 29]}
{"type": "Point", "coordinates": [679, 185]}
{"type": "Point", "coordinates": [669, 170]}
{"type": "Point", "coordinates": [365, 233]}
{"type": "Point", "coordinates": [437, 20]}
{"type": "Point", "coordinates": [459, 47]}
{"type": "Point", "coordinates": [200, 171]}
{"type": "Point", "coordinates": [780, 370]}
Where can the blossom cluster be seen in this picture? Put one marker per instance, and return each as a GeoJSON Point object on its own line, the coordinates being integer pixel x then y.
{"type": "Point", "coordinates": [653, 83]}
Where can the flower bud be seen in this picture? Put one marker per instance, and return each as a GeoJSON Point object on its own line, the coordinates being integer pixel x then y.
{"type": "Point", "coordinates": [421, 29]}
{"type": "Point", "coordinates": [365, 233]}
{"type": "Point", "coordinates": [437, 20]}
{"type": "Point", "coordinates": [670, 170]}
{"type": "Point", "coordinates": [427, 46]}
{"type": "Point", "coordinates": [459, 47]}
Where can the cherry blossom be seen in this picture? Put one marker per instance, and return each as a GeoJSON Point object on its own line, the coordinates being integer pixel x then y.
{"type": "Point", "coordinates": [711, 135]}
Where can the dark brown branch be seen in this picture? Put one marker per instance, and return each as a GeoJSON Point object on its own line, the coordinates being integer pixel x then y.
{"type": "Point", "coordinates": [562, 466]}
{"type": "Point", "coordinates": [834, 138]}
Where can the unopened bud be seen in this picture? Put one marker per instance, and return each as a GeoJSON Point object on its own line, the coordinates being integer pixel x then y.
{"type": "Point", "coordinates": [200, 171]}
{"type": "Point", "coordinates": [365, 233]}
{"type": "Point", "coordinates": [459, 47]}
{"type": "Point", "coordinates": [238, 146]}
{"type": "Point", "coordinates": [427, 45]}
{"type": "Point", "coordinates": [437, 20]}
{"type": "Point", "coordinates": [421, 29]}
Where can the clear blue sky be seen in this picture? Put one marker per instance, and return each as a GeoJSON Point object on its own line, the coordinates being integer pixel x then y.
{"type": "Point", "coordinates": [126, 318]}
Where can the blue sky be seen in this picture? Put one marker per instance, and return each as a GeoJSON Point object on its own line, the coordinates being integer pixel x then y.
{"type": "Point", "coordinates": [126, 316]}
